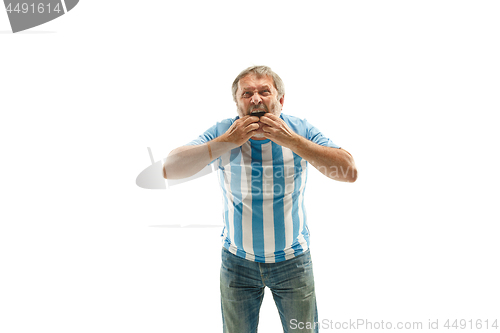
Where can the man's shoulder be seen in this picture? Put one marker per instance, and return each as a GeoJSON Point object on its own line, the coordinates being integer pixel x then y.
{"type": "Point", "coordinates": [293, 119]}
{"type": "Point", "coordinates": [224, 124]}
{"type": "Point", "coordinates": [296, 123]}
{"type": "Point", "coordinates": [229, 121]}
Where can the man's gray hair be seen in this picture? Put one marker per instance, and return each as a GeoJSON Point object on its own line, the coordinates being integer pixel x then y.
{"type": "Point", "coordinates": [260, 71]}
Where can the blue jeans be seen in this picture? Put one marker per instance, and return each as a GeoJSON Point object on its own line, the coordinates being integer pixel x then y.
{"type": "Point", "coordinates": [242, 284]}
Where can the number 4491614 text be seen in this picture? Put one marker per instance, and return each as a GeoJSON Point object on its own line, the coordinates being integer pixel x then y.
{"type": "Point", "coordinates": [33, 8]}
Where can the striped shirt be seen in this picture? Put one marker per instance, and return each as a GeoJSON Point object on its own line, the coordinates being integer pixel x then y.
{"type": "Point", "coordinates": [263, 187]}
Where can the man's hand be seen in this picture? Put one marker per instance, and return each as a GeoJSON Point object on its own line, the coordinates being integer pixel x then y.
{"type": "Point", "coordinates": [278, 131]}
{"type": "Point", "coordinates": [241, 130]}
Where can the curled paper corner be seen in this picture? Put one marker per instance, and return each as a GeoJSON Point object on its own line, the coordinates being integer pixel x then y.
{"type": "Point", "coordinates": [152, 177]}
{"type": "Point", "coordinates": [26, 14]}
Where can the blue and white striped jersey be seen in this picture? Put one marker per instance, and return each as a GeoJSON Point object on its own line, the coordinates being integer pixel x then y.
{"type": "Point", "coordinates": [263, 187]}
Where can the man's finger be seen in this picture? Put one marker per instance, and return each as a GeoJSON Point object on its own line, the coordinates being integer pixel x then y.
{"type": "Point", "coordinates": [266, 128]}
{"type": "Point", "coordinates": [250, 133]}
{"type": "Point", "coordinates": [266, 120]}
{"type": "Point", "coordinates": [250, 119]}
{"type": "Point", "coordinates": [271, 116]}
{"type": "Point", "coordinates": [252, 127]}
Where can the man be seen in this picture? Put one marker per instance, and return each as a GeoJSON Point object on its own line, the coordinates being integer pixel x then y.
{"type": "Point", "coordinates": [262, 157]}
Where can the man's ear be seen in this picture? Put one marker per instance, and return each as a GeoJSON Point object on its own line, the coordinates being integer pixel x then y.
{"type": "Point", "coordinates": [282, 100]}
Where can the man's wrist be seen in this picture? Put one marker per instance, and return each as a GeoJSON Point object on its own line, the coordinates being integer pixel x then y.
{"type": "Point", "coordinates": [220, 138]}
{"type": "Point", "coordinates": [295, 142]}
{"type": "Point", "coordinates": [221, 145]}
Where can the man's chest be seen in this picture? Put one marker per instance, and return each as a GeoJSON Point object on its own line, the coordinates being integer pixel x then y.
{"type": "Point", "coordinates": [263, 171]}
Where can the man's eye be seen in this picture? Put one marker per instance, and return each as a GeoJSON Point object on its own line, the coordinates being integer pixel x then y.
{"type": "Point", "coordinates": [246, 94]}
{"type": "Point", "coordinates": [266, 92]}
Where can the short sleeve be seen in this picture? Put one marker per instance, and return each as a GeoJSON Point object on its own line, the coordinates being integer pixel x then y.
{"type": "Point", "coordinates": [218, 129]}
{"type": "Point", "coordinates": [308, 131]}
{"type": "Point", "coordinates": [207, 136]}
{"type": "Point", "coordinates": [314, 135]}
{"type": "Point", "coordinates": [212, 133]}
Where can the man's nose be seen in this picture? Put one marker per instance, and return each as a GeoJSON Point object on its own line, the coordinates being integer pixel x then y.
{"type": "Point", "coordinates": [256, 99]}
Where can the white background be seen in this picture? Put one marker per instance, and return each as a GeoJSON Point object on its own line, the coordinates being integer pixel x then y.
{"type": "Point", "coordinates": [411, 89]}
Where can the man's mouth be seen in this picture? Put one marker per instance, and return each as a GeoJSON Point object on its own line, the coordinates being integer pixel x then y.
{"type": "Point", "coordinates": [258, 113]}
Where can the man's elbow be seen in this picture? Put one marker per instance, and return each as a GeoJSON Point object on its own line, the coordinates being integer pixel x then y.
{"type": "Point", "coordinates": [169, 162]}
{"type": "Point", "coordinates": [169, 166]}
{"type": "Point", "coordinates": [350, 173]}
{"type": "Point", "coordinates": [352, 176]}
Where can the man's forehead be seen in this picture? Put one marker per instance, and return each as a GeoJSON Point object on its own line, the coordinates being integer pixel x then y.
{"type": "Point", "coordinates": [255, 81]}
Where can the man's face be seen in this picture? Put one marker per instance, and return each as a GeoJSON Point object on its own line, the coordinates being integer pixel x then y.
{"type": "Point", "coordinates": [258, 94]}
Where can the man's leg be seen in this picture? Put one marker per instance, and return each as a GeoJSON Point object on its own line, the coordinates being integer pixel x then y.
{"type": "Point", "coordinates": [242, 292]}
{"type": "Point", "coordinates": [293, 292]}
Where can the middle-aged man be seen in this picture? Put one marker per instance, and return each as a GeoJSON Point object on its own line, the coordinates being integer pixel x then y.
{"type": "Point", "coordinates": [262, 157]}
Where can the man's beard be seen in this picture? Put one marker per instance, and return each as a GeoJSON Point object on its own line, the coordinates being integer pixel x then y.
{"type": "Point", "coordinates": [275, 109]}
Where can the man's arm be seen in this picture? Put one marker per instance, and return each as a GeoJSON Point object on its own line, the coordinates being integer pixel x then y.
{"type": "Point", "coordinates": [334, 163]}
{"type": "Point", "coordinates": [186, 161]}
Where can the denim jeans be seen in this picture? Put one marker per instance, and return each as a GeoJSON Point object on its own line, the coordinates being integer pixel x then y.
{"type": "Point", "coordinates": [291, 282]}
